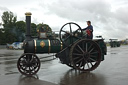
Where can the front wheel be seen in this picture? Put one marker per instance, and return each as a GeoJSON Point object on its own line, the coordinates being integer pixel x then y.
{"type": "Point", "coordinates": [28, 64]}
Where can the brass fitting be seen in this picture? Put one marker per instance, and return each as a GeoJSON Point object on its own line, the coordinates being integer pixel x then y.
{"type": "Point", "coordinates": [28, 13]}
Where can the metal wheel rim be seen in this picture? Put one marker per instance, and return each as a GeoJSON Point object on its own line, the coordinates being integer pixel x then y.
{"type": "Point", "coordinates": [70, 65]}
{"type": "Point", "coordinates": [81, 61]}
{"type": "Point", "coordinates": [61, 30]}
{"type": "Point", "coordinates": [28, 67]}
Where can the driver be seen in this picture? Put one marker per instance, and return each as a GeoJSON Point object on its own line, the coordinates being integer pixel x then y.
{"type": "Point", "coordinates": [89, 30]}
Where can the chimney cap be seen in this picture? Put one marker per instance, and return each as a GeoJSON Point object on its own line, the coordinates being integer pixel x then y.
{"type": "Point", "coordinates": [28, 13]}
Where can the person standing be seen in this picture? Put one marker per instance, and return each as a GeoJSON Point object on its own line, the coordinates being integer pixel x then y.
{"type": "Point", "coordinates": [89, 30]}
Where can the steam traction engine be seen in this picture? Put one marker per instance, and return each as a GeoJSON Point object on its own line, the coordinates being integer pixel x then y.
{"type": "Point", "coordinates": [114, 43]}
{"type": "Point", "coordinates": [73, 49]}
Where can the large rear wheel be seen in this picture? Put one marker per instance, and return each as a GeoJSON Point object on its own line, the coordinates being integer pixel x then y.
{"type": "Point", "coordinates": [85, 55]}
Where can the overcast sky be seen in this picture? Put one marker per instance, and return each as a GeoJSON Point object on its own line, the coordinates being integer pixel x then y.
{"type": "Point", "coordinates": [109, 17]}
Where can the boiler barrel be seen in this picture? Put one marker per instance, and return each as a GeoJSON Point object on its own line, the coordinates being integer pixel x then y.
{"type": "Point", "coordinates": [43, 46]}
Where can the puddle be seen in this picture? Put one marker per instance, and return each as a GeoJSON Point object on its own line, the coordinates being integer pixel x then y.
{"type": "Point", "coordinates": [113, 53]}
{"type": "Point", "coordinates": [11, 73]}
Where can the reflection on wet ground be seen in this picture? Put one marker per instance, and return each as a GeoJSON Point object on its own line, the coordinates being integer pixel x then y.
{"type": "Point", "coordinates": [23, 80]}
{"type": "Point", "coordinates": [74, 77]}
{"type": "Point", "coordinates": [63, 75]}
{"type": "Point", "coordinates": [32, 80]}
{"type": "Point", "coordinates": [112, 71]}
{"type": "Point", "coordinates": [8, 60]}
{"type": "Point", "coordinates": [26, 79]}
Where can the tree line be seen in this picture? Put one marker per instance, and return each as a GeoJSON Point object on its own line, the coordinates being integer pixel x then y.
{"type": "Point", "coordinates": [14, 31]}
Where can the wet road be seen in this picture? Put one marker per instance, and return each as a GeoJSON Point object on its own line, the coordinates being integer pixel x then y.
{"type": "Point", "coordinates": [112, 71]}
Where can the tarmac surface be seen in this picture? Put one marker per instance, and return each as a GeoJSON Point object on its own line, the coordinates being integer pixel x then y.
{"type": "Point", "coordinates": [112, 71]}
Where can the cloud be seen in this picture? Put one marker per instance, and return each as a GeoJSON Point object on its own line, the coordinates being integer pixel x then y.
{"type": "Point", "coordinates": [3, 8]}
{"type": "Point", "coordinates": [14, 3]}
{"type": "Point", "coordinates": [109, 17]}
{"type": "Point", "coordinates": [81, 10]}
{"type": "Point", "coordinates": [121, 14]}
{"type": "Point", "coordinates": [106, 22]}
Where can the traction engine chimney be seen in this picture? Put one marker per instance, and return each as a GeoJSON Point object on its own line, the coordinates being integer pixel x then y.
{"type": "Point", "coordinates": [28, 25]}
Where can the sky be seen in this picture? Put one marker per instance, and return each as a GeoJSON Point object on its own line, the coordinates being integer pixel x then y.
{"type": "Point", "coordinates": [109, 17]}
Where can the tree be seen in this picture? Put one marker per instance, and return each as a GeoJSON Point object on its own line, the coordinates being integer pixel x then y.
{"type": "Point", "coordinates": [20, 30]}
{"type": "Point", "coordinates": [9, 24]}
{"type": "Point", "coordinates": [9, 37]}
{"type": "Point", "coordinates": [20, 25]}
{"type": "Point", "coordinates": [9, 20]}
{"type": "Point", "coordinates": [1, 38]}
{"type": "Point", "coordinates": [33, 29]}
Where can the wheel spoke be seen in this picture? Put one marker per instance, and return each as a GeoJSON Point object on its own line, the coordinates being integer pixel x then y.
{"type": "Point", "coordinates": [70, 28]}
{"type": "Point", "coordinates": [80, 64]}
{"type": "Point", "coordinates": [77, 50]}
{"type": "Point", "coordinates": [80, 48]}
{"type": "Point", "coordinates": [83, 44]}
{"type": "Point", "coordinates": [93, 60]}
{"type": "Point", "coordinates": [22, 62]}
{"type": "Point", "coordinates": [77, 54]}
{"type": "Point", "coordinates": [33, 62]}
{"type": "Point", "coordinates": [67, 38]}
{"type": "Point", "coordinates": [88, 64]}
{"type": "Point", "coordinates": [93, 56]}
{"type": "Point", "coordinates": [24, 59]}
{"type": "Point", "coordinates": [64, 31]}
{"type": "Point", "coordinates": [29, 70]}
{"type": "Point", "coordinates": [22, 67]}
{"type": "Point", "coordinates": [86, 47]}
{"type": "Point", "coordinates": [25, 69]}
{"type": "Point", "coordinates": [90, 46]}
{"type": "Point", "coordinates": [33, 68]}
{"type": "Point", "coordinates": [94, 52]}
{"type": "Point", "coordinates": [91, 50]}
{"type": "Point", "coordinates": [79, 60]}
{"type": "Point", "coordinates": [31, 59]}
{"type": "Point", "coordinates": [76, 58]}
{"type": "Point", "coordinates": [84, 65]}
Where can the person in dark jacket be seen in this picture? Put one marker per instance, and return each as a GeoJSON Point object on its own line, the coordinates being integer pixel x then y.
{"type": "Point", "coordinates": [89, 30]}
